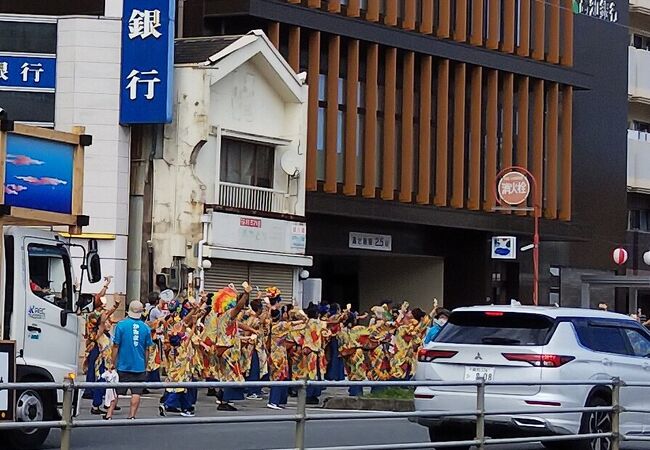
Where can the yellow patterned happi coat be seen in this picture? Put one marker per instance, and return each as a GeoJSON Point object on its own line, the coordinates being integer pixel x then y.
{"type": "Point", "coordinates": [351, 345]}
{"type": "Point", "coordinates": [227, 338]}
{"type": "Point", "coordinates": [408, 338]}
{"type": "Point", "coordinates": [179, 364]}
{"type": "Point", "coordinates": [309, 358]}
{"type": "Point", "coordinates": [379, 364]}
{"type": "Point", "coordinates": [278, 359]}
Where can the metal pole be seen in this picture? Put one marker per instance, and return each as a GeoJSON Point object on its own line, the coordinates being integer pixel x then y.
{"type": "Point", "coordinates": [480, 417]}
{"type": "Point", "coordinates": [616, 413]}
{"type": "Point", "coordinates": [66, 428]}
{"type": "Point", "coordinates": [300, 423]}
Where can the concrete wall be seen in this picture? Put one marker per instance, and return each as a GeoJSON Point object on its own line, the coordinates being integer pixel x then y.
{"type": "Point", "coordinates": [88, 94]}
{"type": "Point", "coordinates": [416, 280]}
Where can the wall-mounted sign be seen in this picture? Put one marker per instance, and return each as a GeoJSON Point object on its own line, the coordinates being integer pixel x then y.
{"type": "Point", "coordinates": [38, 174]}
{"type": "Point", "coordinates": [258, 234]}
{"type": "Point", "coordinates": [147, 61]}
{"type": "Point", "coordinates": [600, 9]}
{"type": "Point", "coordinates": [369, 241]}
{"type": "Point", "coordinates": [28, 69]}
{"type": "Point", "coordinates": [504, 247]}
{"type": "Point", "coordinates": [513, 188]}
{"type": "Point", "coordinates": [27, 72]}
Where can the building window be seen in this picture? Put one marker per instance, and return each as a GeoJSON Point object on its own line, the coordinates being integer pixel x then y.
{"type": "Point", "coordinates": [644, 127]}
{"type": "Point", "coordinates": [247, 163]}
{"type": "Point", "coordinates": [640, 41]}
{"type": "Point", "coordinates": [639, 219]}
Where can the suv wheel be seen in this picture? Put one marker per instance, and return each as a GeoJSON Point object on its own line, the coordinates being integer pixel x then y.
{"type": "Point", "coordinates": [596, 422]}
{"type": "Point", "coordinates": [438, 436]}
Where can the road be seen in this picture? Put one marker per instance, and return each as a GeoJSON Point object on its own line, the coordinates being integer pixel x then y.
{"type": "Point", "coordinates": [253, 436]}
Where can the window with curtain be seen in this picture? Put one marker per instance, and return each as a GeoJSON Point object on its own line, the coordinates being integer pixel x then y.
{"type": "Point", "coordinates": [247, 163]}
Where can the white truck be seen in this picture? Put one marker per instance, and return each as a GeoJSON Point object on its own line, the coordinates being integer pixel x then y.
{"type": "Point", "coordinates": [41, 180]}
{"type": "Point", "coordinates": [40, 308]}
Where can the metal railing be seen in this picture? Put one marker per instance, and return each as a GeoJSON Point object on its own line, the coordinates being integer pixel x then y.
{"type": "Point", "coordinates": [254, 198]}
{"type": "Point", "coordinates": [301, 417]}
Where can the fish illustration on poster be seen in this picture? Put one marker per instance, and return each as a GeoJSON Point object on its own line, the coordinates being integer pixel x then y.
{"type": "Point", "coordinates": [38, 174]}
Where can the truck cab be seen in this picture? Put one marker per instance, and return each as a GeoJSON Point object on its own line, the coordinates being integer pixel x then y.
{"type": "Point", "coordinates": [40, 314]}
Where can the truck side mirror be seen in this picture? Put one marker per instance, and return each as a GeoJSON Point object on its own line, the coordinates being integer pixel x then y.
{"type": "Point", "coordinates": [94, 267]}
{"type": "Point", "coordinates": [86, 303]}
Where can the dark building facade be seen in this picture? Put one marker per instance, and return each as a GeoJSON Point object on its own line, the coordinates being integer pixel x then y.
{"type": "Point", "coordinates": [415, 106]}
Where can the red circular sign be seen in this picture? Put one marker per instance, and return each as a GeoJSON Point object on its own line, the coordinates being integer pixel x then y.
{"type": "Point", "coordinates": [513, 188]}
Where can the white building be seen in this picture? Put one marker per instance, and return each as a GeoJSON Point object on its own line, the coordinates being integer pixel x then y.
{"type": "Point", "coordinates": [229, 184]}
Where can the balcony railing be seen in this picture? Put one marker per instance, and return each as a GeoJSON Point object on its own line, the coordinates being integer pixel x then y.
{"type": "Point", "coordinates": [638, 135]}
{"type": "Point", "coordinates": [255, 198]}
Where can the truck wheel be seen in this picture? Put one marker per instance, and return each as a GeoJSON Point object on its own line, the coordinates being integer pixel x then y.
{"type": "Point", "coordinates": [437, 436]}
{"type": "Point", "coordinates": [30, 407]}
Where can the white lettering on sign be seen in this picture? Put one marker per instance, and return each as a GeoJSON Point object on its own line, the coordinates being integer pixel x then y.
{"type": "Point", "coordinates": [4, 70]}
{"type": "Point", "coordinates": [135, 79]}
{"type": "Point", "coordinates": [600, 9]}
{"type": "Point", "coordinates": [35, 69]}
{"type": "Point", "coordinates": [369, 241]}
{"type": "Point", "coordinates": [249, 222]}
{"type": "Point", "coordinates": [145, 23]}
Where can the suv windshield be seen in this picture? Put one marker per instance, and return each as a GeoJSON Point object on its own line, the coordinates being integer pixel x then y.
{"type": "Point", "coordinates": [496, 328]}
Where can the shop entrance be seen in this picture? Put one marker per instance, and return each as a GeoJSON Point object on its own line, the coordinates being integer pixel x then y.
{"type": "Point", "coordinates": [365, 281]}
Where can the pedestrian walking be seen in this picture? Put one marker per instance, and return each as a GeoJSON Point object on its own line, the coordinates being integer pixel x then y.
{"type": "Point", "coordinates": [131, 342]}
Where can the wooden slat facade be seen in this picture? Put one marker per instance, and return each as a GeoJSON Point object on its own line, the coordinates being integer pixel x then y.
{"type": "Point", "coordinates": [442, 133]}
{"type": "Point", "coordinates": [312, 107]}
{"type": "Point", "coordinates": [351, 95]}
{"type": "Point", "coordinates": [390, 15]}
{"type": "Point", "coordinates": [552, 128]}
{"type": "Point", "coordinates": [331, 125]}
{"type": "Point", "coordinates": [424, 150]}
{"type": "Point", "coordinates": [476, 138]}
{"type": "Point", "coordinates": [494, 121]}
{"type": "Point", "coordinates": [390, 109]}
{"type": "Point", "coordinates": [566, 58]}
{"type": "Point", "coordinates": [408, 107]}
{"type": "Point", "coordinates": [491, 124]}
{"type": "Point", "coordinates": [409, 13]}
{"type": "Point", "coordinates": [458, 162]}
{"type": "Point", "coordinates": [566, 135]}
{"type": "Point", "coordinates": [539, 28]}
{"type": "Point", "coordinates": [370, 125]}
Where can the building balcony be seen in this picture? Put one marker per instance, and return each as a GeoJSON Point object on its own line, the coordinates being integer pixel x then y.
{"type": "Point", "coordinates": [253, 198]}
{"type": "Point", "coordinates": [640, 6]}
{"type": "Point", "coordinates": [638, 79]}
{"type": "Point", "coordinates": [638, 161]}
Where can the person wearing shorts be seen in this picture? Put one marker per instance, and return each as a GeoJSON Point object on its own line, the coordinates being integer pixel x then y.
{"type": "Point", "coordinates": [131, 342]}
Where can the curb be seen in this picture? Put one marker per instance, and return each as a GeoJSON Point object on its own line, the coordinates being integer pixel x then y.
{"type": "Point", "coordinates": [369, 404]}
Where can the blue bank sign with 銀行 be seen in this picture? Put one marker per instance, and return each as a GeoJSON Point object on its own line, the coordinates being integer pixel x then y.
{"type": "Point", "coordinates": [35, 73]}
{"type": "Point", "coordinates": [147, 61]}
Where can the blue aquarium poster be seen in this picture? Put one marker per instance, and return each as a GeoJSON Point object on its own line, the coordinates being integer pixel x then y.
{"type": "Point", "coordinates": [38, 174]}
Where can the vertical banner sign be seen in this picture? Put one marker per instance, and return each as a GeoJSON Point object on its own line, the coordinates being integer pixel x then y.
{"type": "Point", "coordinates": [147, 61]}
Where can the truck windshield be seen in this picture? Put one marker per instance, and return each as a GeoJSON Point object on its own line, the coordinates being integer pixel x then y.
{"type": "Point", "coordinates": [49, 273]}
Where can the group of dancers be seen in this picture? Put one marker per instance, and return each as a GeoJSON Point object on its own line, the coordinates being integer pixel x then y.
{"type": "Point", "coordinates": [233, 336]}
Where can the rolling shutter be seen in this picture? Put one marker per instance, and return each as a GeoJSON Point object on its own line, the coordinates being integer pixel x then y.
{"type": "Point", "coordinates": [266, 275]}
{"type": "Point", "coordinates": [225, 271]}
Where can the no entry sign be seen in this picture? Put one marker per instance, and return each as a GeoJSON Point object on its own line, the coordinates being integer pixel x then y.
{"type": "Point", "coordinates": [513, 188]}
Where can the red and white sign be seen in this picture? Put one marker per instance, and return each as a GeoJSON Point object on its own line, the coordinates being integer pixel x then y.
{"type": "Point", "coordinates": [250, 222]}
{"type": "Point", "coordinates": [620, 256]}
{"type": "Point", "coordinates": [513, 188]}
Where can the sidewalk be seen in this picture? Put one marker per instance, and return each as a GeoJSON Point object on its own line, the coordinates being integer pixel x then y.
{"type": "Point", "coordinates": [206, 406]}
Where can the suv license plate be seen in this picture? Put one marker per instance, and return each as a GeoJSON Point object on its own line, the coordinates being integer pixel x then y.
{"type": "Point", "coordinates": [475, 373]}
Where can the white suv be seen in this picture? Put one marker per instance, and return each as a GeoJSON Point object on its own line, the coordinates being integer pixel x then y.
{"type": "Point", "coordinates": [529, 344]}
